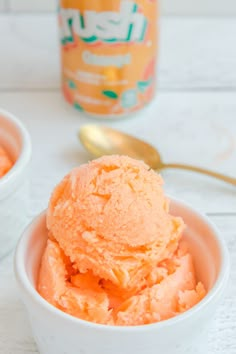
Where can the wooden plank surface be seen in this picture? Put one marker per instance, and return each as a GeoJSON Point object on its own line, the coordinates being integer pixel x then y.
{"type": "Point", "coordinates": [169, 7]}
{"type": "Point", "coordinates": [32, 6]}
{"type": "Point", "coordinates": [198, 8]}
{"type": "Point", "coordinates": [2, 5]}
{"type": "Point", "coordinates": [195, 53]}
{"type": "Point", "coordinates": [196, 128]}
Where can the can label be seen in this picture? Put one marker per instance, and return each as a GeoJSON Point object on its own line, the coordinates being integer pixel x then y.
{"type": "Point", "coordinates": [108, 51]}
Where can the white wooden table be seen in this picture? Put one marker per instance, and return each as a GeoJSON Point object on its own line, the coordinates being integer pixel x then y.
{"type": "Point", "coordinates": [192, 120]}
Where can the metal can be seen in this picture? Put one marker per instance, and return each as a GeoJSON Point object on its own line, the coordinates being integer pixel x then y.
{"type": "Point", "coordinates": [108, 54]}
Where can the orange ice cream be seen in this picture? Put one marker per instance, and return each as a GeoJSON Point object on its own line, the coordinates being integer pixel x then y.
{"type": "Point", "coordinates": [114, 254]}
{"type": "Point", "coordinates": [5, 162]}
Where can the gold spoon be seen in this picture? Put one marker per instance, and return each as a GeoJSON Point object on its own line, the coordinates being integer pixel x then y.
{"type": "Point", "coordinates": [100, 140]}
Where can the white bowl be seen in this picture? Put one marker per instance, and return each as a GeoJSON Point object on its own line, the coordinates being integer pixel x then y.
{"type": "Point", "coordinates": [55, 332]}
{"type": "Point", "coordinates": [14, 194]}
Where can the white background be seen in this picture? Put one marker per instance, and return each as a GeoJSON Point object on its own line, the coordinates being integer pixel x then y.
{"type": "Point", "coordinates": [169, 7]}
{"type": "Point", "coordinates": [191, 121]}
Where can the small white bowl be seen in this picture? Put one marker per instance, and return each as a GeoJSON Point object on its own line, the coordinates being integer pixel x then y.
{"type": "Point", "coordinates": [56, 332]}
{"type": "Point", "coordinates": [14, 194]}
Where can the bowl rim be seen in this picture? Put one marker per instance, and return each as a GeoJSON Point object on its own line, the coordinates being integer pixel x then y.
{"type": "Point", "coordinates": [219, 286]}
{"type": "Point", "coordinates": [24, 158]}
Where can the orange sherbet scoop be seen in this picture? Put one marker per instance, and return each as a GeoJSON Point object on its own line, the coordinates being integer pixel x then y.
{"type": "Point", "coordinates": [113, 254]}
{"type": "Point", "coordinates": [111, 217]}
{"type": "Point", "coordinates": [5, 162]}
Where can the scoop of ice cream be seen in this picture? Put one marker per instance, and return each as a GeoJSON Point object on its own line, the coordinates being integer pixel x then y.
{"type": "Point", "coordinates": [111, 217]}
{"type": "Point", "coordinates": [114, 253]}
{"type": "Point", "coordinates": [74, 293]}
{"type": "Point", "coordinates": [174, 290]}
{"type": "Point", "coordinates": [5, 162]}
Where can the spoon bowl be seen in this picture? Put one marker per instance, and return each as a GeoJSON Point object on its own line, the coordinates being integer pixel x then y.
{"type": "Point", "coordinates": [101, 140]}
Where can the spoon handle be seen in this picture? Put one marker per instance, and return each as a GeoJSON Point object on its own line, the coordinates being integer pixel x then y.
{"type": "Point", "coordinates": [201, 170]}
